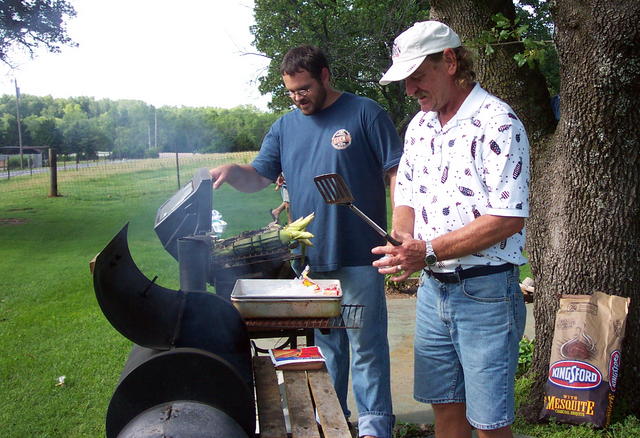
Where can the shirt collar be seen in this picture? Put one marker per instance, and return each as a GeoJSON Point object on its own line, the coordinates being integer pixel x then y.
{"type": "Point", "coordinates": [471, 104]}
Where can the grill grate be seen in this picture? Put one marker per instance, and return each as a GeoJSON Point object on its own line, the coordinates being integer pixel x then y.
{"type": "Point", "coordinates": [260, 250]}
{"type": "Point", "coordinates": [350, 317]}
{"type": "Point", "coordinates": [282, 255]}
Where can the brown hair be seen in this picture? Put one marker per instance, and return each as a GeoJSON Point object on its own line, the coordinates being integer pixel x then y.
{"type": "Point", "coordinates": [464, 74]}
{"type": "Point", "coordinates": [306, 57]}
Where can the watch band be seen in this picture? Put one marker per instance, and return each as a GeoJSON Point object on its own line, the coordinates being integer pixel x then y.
{"type": "Point", "coordinates": [430, 258]}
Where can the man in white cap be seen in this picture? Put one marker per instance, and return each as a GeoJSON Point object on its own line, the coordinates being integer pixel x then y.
{"type": "Point", "coordinates": [461, 198]}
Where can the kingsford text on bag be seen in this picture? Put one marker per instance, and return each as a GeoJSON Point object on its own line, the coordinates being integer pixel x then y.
{"type": "Point", "coordinates": [585, 358]}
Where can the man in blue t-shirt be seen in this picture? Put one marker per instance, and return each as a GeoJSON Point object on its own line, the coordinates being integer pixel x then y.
{"type": "Point", "coordinates": [336, 132]}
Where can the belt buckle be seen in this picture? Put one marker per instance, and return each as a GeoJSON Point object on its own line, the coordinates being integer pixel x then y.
{"type": "Point", "coordinates": [457, 273]}
{"type": "Point", "coordinates": [445, 277]}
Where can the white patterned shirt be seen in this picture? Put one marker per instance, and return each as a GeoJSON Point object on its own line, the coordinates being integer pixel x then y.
{"type": "Point", "coordinates": [476, 164]}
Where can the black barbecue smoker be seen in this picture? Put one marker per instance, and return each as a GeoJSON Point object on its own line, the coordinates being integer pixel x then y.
{"type": "Point", "coordinates": [189, 372]}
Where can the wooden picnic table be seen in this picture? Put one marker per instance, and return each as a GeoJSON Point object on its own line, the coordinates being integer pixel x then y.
{"type": "Point", "coordinates": [305, 392]}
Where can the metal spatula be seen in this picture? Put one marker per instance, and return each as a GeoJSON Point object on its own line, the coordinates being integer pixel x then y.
{"type": "Point", "coordinates": [335, 191]}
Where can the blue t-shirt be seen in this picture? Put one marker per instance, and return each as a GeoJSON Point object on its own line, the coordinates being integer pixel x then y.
{"type": "Point", "coordinates": [354, 137]}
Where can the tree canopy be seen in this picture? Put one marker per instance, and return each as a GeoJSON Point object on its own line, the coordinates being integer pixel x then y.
{"type": "Point", "coordinates": [357, 36]}
{"type": "Point", "coordinates": [32, 24]}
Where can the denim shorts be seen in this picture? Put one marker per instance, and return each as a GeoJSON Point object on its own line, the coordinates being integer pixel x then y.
{"type": "Point", "coordinates": [467, 343]}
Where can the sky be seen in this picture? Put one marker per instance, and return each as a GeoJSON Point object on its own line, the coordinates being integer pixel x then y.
{"type": "Point", "coordinates": [164, 52]}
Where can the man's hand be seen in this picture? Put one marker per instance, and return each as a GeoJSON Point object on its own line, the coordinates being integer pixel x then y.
{"type": "Point", "coordinates": [242, 177]}
{"type": "Point", "coordinates": [279, 182]}
{"type": "Point", "coordinates": [220, 174]}
{"type": "Point", "coordinates": [401, 260]}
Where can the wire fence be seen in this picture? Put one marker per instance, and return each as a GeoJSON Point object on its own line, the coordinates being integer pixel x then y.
{"type": "Point", "coordinates": [111, 178]}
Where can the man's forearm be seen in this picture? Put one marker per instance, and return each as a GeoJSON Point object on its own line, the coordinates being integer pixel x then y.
{"type": "Point", "coordinates": [482, 233]}
{"type": "Point", "coordinates": [391, 173]}
{"type": "Point", "coordinates": [403, 217]}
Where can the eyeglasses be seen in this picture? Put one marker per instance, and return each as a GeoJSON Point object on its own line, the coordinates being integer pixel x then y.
{"type": "Point", "coordinates": [299, 93]}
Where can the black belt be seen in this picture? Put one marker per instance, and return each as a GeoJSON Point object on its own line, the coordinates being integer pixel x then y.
{"type": "Point", "coordinates": [461, 274]}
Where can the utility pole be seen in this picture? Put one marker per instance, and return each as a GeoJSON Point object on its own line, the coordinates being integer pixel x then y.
{"type": "Point", "coordinates": [18, 116]}
{"type": "Point", "coordinates": [155, 129]}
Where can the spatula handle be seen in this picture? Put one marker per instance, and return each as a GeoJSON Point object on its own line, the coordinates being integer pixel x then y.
{"type": "Point", "coordinates": [391, 240]}
{"type": "Point", "coordinates": [375, 226]}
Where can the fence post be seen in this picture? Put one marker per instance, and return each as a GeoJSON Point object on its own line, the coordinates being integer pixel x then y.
{"type": "Point", "coordinates": [53, 173]}
{"type": "Point", "coordinates": [178, 169]}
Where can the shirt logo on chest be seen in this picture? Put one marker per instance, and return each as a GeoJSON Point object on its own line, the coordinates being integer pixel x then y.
{"type": "Point", "coordinates": [341, 139]}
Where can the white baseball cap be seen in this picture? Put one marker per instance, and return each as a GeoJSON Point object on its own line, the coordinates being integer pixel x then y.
{"type": "Point", "coordinates": [413, 45]}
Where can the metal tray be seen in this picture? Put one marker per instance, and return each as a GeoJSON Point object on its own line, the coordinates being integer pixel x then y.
{"type": "Point", "coordinates": [262, 298]}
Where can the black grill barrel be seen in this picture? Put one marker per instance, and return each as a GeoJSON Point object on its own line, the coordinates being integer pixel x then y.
{"type": "Point", "coordinates": [207, 357]}
{"type": "Point", "coordinates": [183, 419]}
{"type": "Point", "coordinates": [154, 381]}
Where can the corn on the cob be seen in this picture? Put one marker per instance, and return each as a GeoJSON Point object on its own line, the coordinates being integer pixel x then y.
{"type": "Point", "coordinates": [265, 240]}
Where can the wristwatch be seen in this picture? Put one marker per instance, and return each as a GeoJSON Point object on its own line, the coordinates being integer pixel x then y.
{"type": "Point", "coordinates": [430, 258]}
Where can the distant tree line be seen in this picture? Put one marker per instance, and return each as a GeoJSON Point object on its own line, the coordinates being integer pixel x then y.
{"type": "Point", "coordinates": [129, 128]}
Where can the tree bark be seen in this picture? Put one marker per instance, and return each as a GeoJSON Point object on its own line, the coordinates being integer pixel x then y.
{"type": "Point", "coordinates": [584, 229]}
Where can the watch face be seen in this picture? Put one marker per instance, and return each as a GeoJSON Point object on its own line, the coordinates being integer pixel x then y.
{"type": "Point", "coordinates": [430, 259]}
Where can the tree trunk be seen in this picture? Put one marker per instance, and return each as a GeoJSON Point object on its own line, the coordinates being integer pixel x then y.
{"type": "Point", "coordinates": [584, 230]}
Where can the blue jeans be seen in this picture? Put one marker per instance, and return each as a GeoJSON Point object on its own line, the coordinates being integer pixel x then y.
{"type": "Point", "coordinates": [369, 350]}
{"type": "Point", "coordinates": [467, 343]}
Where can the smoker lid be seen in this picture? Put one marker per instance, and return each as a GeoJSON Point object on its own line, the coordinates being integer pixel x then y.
{"type": "Point", "coordinates": [186, 213]}
{"type": "Point", "coordinates": [141, 310]}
